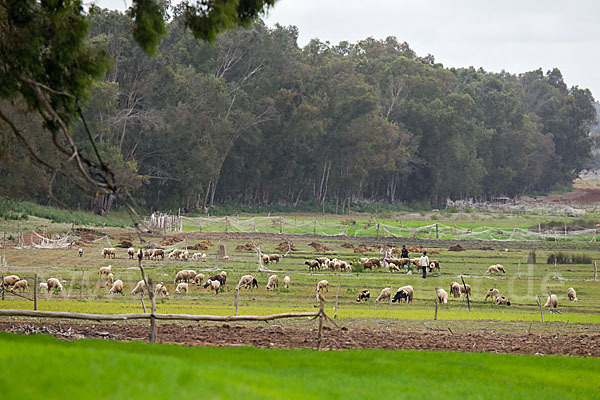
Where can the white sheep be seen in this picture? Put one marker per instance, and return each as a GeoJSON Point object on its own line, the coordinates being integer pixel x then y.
{"type": "Point", "coordinates": [184, 255]}
{"type": "Point", "coordinates": [286, 282]}
{"type": "Point", "coordinates": [214, 285]}
{"type": "Point", "coordinates": [160, 290]}
{"type": "Point", "coordinates": [139, 288]}
{"type": "Point", "coordinates": [442, 296]}
{"type": "Point", "coordinates": [570, 292]}
{"type": "Point", "coordinates": [54, 283]}
{"type": "Point", "coordinates": [245, 281]}
{"type": "Point", "coordinates": [131, 252]}
{"type": "Point", "coordinates": [552, 301]}
{"type": "Point", "coordinates": [117, 287]}
{"type": "Point", "coordinates": [105, 270]}
{"type": "Point", "coordinates": [182, 276]}
{"type": "Point", "coordinates": [384, 295]}
{"type": "Point", "coordinates": [80, 252]}
{"type": "Point", "coordinates": [43, 286]}
{"type": "Point", "coordinates": [174, 254]}
{"type": "Point", "coordinates": [492, 268]}
{"type": "Point", "coordinates": [181, 287]}
{"type": "Point", "coordinates": [22, 284]}
{"type": "Point", "coordinates": [323, 285]}
{"type": "Point", "coordinates": [273, 282]}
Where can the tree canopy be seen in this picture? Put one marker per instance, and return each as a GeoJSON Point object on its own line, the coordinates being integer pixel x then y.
{"type": "Point", "coordinates": [251, 118]}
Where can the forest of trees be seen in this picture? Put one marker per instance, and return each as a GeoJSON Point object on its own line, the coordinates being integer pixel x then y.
{"type": "Point", "coordinates": [253, 119]}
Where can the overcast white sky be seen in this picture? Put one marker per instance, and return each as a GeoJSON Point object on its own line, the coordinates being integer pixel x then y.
{"type": "Point", "coordinates": [514, 35]}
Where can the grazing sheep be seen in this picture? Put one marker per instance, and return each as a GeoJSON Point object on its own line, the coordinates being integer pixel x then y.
{"type": "Point", "coordinates": [384, 295]}
{"type": "Point", "coordinates": [552, 301]}
{"type": "Point", "coordinates": [22, 284]}
{"type": "Point", "coordinates": [404, 293]}
{"type": "Point", "coordinates": [131, 252]}
{"type": "Point", "coordinates": [225, 258]}
{"type": "Point", "coordinates": [140, 254]}
{"type": "Point", "coordinates": [174, 254]}
{"type": "Point", "coordinates": [214, 285]}
{"type": "Point", "coordinates": [313, 265]}
{"type": "Point", "coordinates": [364, 295]}
{"type": "Point", "coordinates": [502, 301]}
{"type": "Point", "coordinates": [54, 283]}
{"type": "Point", "coordinates": [273, 282]}
{"type": "Point", "coordinates": [198, 279]}
{"type": "Point", "coordinates": [463, 290]}
{"type": "Point", "coordinates": [245, 281]}
{"type": "Point", "coordinates": [286, 282]}
{"type": "Point", "coordinates": [80, 252]}
{"type": "Point", "coordinates": [442, 296]}
{"type": "Point", "coordinates": [161, 290]}
{"type": "Point", "coordinates": [492, 268]}
{"type": "Point", "coordinates": [455, 289]}
{"type": "Point", "coordinates": [393, 267]}
{"type": "Point", "coordinates": [109, 252]}
{"type": "Point", "coordinates": [570, 292]}
{"type": "Point", "coordinates": [218, 277]}
{"type": "Point", "coordinates": [10, 280]}
{"type": "Point", "coordinates": [199, 256]}
{"type": "Point", "coordinates": [158, 253]}
{"type": "Point", "coordinates": [324, 261]}
{"type": "Point", "coordinates": [182, 287]}
{"type": "Point", "coordinates": [117, 287]}
{"type": "Point", "coordinates": [182, 276]}
{"type": "Point", "coordinates": [492, 294]}
{"type": "Point", "coordinates": [367, 264]}
{"type": "Point", "coordinates": [323, 285]}
{"type": "Point", "coordinates": [184, 255]}
{"type": "Point", "coordinates": [105, 270]}
{"type": "Point", "coordinates": [434, 265]}
{"type": "Point", "coordinates": [43, 286]}
{"type": "Point", "coordinates": [265, 258]}
{"type": "Point", "coordinates": [110, 279]}
{"type": "Point", "coordinates": [139, 288]}
{"type": "Point", "coordinates": [375, 261]}
{"type": "Point", "coordinates": [192, 274]}
{"type": "Point", "coordinates": [224, 275]}
{"type": "Point", "coordinates": [500, 268]}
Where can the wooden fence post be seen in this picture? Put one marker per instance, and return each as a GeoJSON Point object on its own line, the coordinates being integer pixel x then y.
{"type": "Point", "coordinates": [280, 224]}
{"type": "Point", "coordinates": [315, 227]}
{"type": "Point", "coordinates": [537, 299]}
{"type": "Point", "coordinates": [555, 269]}
{"type": "Point", "coordinates": [2, 281]}
{"type": "Point", "coordinates": [377, 235]}
{"type": "Point", "coordinates": [321, 316]}
{"type": "Point", "coordinates": [226, 223]}
{"type": "Point", "coordinates": [467, 293]}
{"type": "Point", "coordinates": [437, 236]}
{"type": "Point", "coordinates": [436, 304]}
{"type": "Point", "coordinates": [595, 271]}
{"type": "Point", "coordinates": [336, 301]}
{"type": "Point", "coordinates": [153, 312]}
{"type": "Point", "coordinates": [35, 285]}
{"type": "Point", "coordinates": [237, 296]}
{"type": "Point", "coordinates": [81, 286]}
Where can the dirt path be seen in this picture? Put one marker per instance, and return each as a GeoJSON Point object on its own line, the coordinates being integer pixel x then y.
{"type": "Point", "coordinates": [305, 336]}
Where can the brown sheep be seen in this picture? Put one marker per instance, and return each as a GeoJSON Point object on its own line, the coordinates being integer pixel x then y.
{"type": "Point", "coordinates": [22, 284]}
{"type": "Point", "coordinates": [265, 258]}
{"type": "Point", "coordinates": [375, 261]}
{"type": "Point", "coordinates": [161, 290]}
{"type": "Point", "coordinates": [323, 260]}
{"type": "Point", "coordinates": [492, 294]}
{"type": "Point", "coordinates": [384, 295]}
{"type": "Point", "coordinates": [110, 279]}
{"type": "Point", "coordinates": [313, 265]}
{"type": "Point", "coordinates": [274, 258]}
{"type": "Point", "coordinates": [198, 279]}
{"type": "Point", "coordinates": [10, 280]}
{"type": "Point", "coordinates": [245, 281]}
{"type": "Point", "coordinates": [183, 276]}
{"type": "Point", "coordinates": [434, 265]}
{"type": "Point", "coordinates": [455, 289]}
{"type": "Point", "coordinates": [157, 253]}
{"type": "Point", "coordinates": [131, 252]}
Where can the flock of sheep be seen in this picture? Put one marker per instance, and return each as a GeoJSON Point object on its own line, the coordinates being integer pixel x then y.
{"type": "Point", "coordinates": [184, 278]}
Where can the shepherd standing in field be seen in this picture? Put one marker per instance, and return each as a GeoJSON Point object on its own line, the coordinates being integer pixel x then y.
{"type": "Point", "coordinates": [424, 263]}
{"type": "Point", "coordinates": [404, 253]}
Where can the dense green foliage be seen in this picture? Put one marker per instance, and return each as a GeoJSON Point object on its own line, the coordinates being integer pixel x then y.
{"type": "Point", "coordinates": [53, 369]}
{"type": "Point", "coordinates": [255, 120]}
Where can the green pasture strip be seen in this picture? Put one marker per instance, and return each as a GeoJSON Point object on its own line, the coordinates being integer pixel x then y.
{"type": "Point", "coordinates": [45, 367]}
{"type": "Point", "coordinates": [364, 311]}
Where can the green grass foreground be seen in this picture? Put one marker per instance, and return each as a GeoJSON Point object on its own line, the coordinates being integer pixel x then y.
{"type": "Point", "coordinates": [45, 367]}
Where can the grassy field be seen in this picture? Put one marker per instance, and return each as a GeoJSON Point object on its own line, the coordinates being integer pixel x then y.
{"type": "Point", "coordinates": [44, 367]}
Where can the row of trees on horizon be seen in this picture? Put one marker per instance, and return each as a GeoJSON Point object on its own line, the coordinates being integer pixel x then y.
{"type": "Point", "coordinates": [254, 119]}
